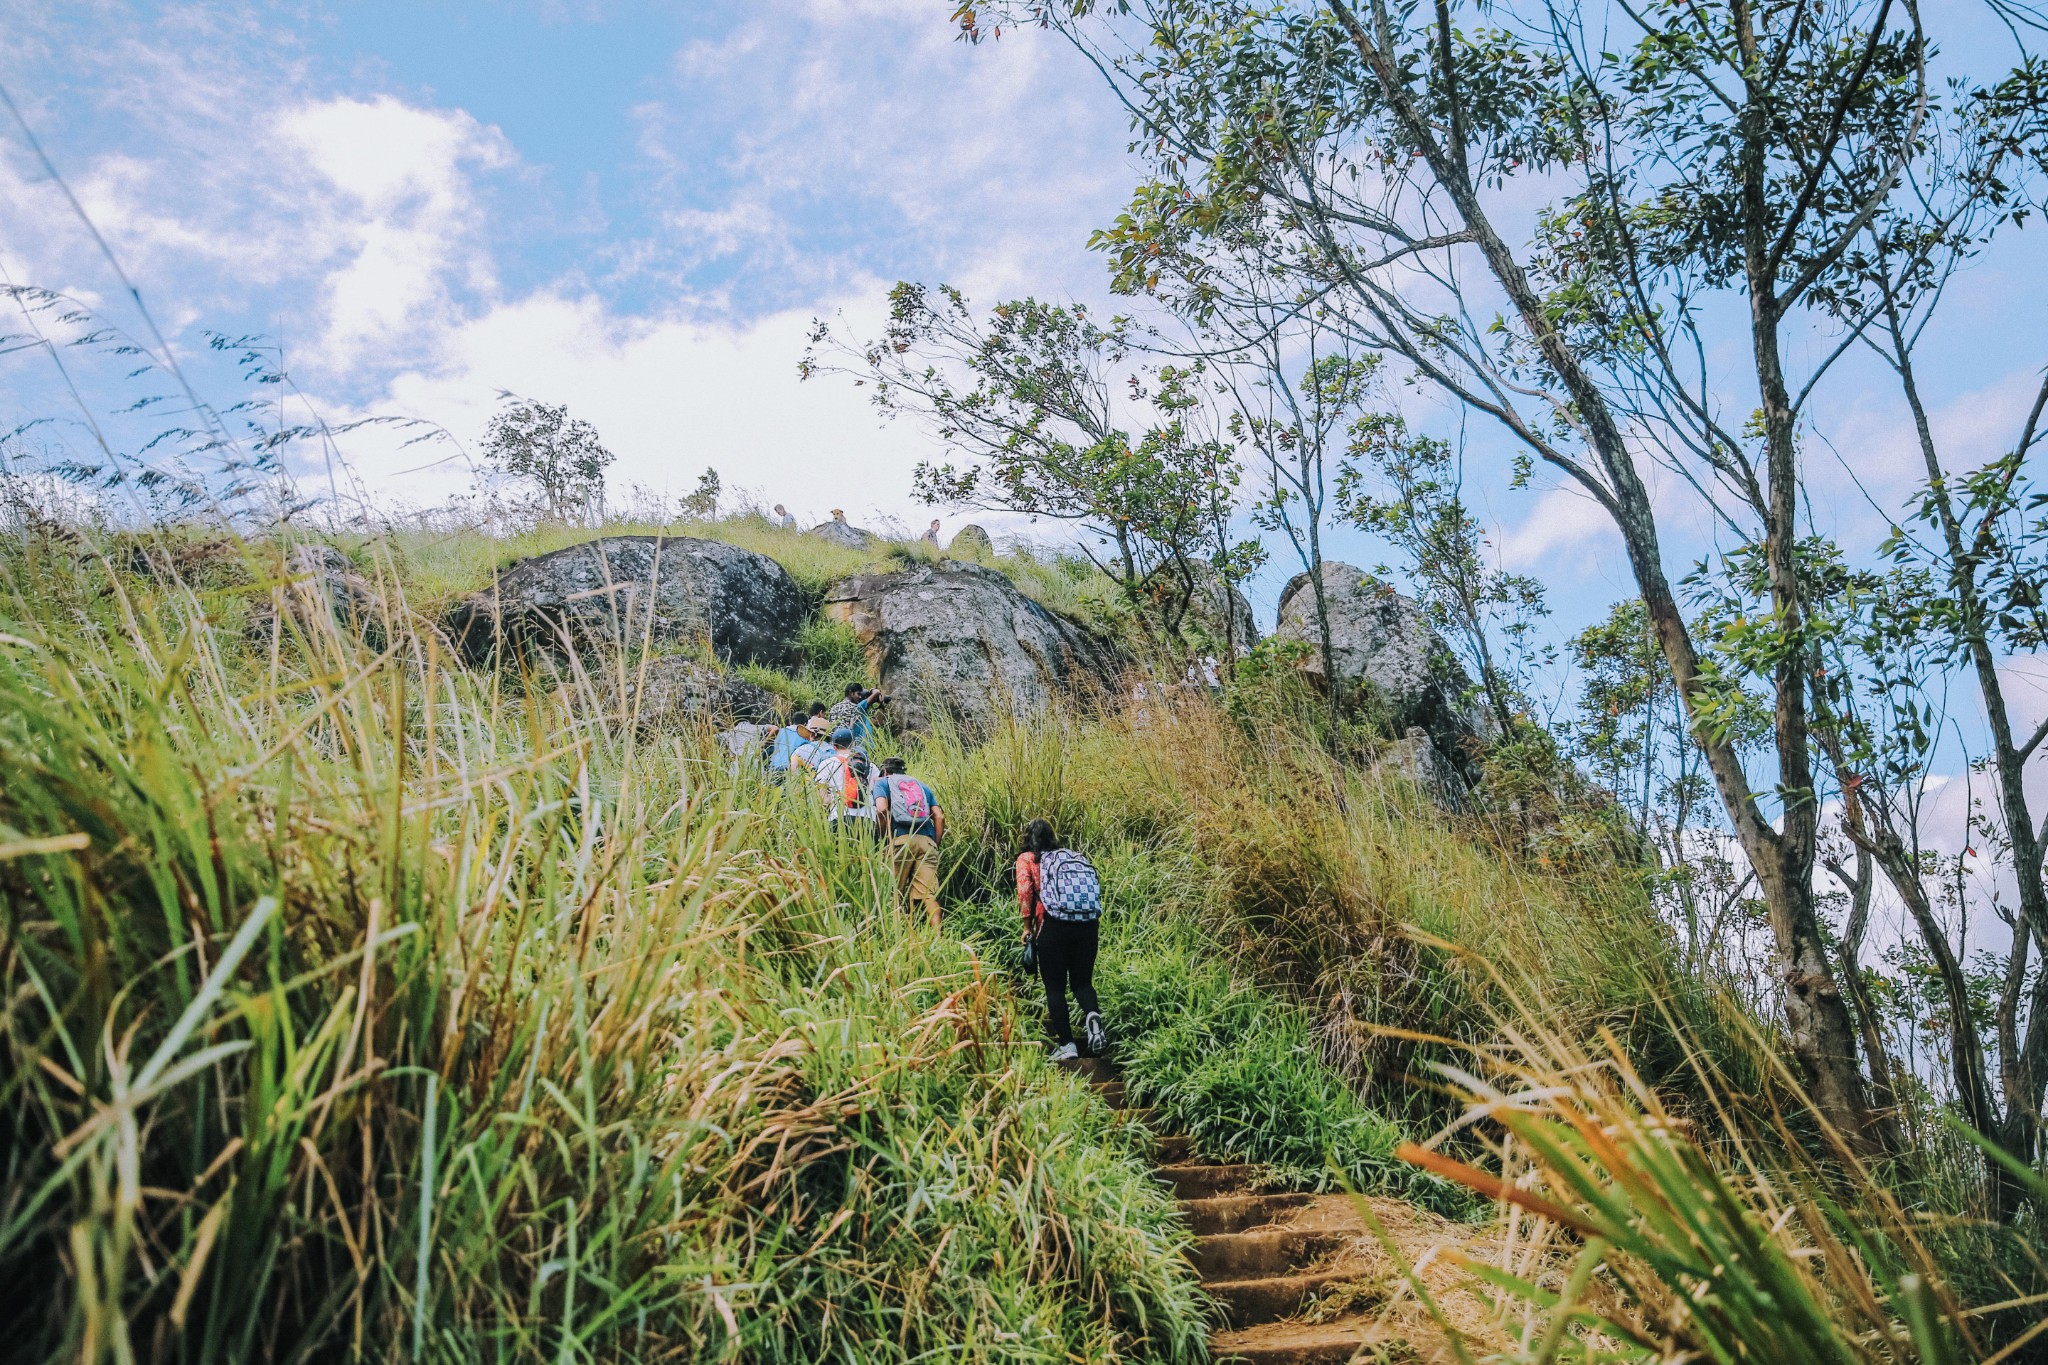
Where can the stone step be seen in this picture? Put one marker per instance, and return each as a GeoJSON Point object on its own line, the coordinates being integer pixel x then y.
{"type": "Point", "coordinates": [1095, 1069]}
{"type": "Point", "coordinates": [1174, 1148]}
{"type": "Point", "coordinates": [1268, 1298]}
{"type": "Point", "coordinates": [1205, 1180]}
{"type": "Point", "coordinates": [1238, 1212]}
{"type": "Point", "coordinates": [1262, 1252]}
{"type": "Point", "coordinates": [1305, 1343]}
{"type": "Point", "coordinates": [1112, 1093]}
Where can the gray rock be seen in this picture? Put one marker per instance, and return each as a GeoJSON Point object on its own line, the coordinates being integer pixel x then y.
{"type": "Point", "coordinates": [1205, 617]}
{"type": "Point", "coordinates": [847, 534]}
{"type": "Point", "coordinates": [320, 584]}
{"type": "Point", "coordinates": [626, 589]}
{"type": "Point", "coordinates": [959, 640]}
{"type": "Point", "coordinates": [971, 542]}
{"type": "Point", "coordinates": [1415, 759]}
{"type": "Point", "coordinates": [675, 691]}
{"type": "Point", "coordinates": [1379, 636]}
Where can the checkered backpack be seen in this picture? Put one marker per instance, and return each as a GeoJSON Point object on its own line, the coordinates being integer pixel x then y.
{"type": "Point", "coordinates": [1068, 886]}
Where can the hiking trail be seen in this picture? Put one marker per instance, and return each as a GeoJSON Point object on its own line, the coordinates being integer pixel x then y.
{"type": "Point", "coordinates": [1296, 1277]}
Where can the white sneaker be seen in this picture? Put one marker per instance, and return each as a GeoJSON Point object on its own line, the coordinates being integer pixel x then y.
{"type": "Point", "coordinates": [1067, 1052]}
{"type": "Point", "coordinates": [1094, 1034]}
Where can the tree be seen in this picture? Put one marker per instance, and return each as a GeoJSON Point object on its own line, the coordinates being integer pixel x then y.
{"type": "Point", "coordinates": [1028, 397]}
{"type": "Point", "coordinates": [1631, 733]}
{"type": "Point", "coordinates": [559, 458]}
{"type": "Point", "coordinates": [1971, 565]}
{"type": "Point", "coordinates": [1887, 706]}
{"type": "Point", "coordinates": [1291, 423]}
{"type": "Point", "coordinates": [1716, 150]}
{"type": "Point", "coordinates": [702, 503]}
{"type": "Point", "coordinates": [1293, 383]}
{"type": "Point", "coordinates": [1417, 504]}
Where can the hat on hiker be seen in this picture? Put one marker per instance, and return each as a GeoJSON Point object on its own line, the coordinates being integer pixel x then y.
{"type": "Point", "coordinates": [818, 725]}
{"type": "Point", "coordinates": [842, 737]}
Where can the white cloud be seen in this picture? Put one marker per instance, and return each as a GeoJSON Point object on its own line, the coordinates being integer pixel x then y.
{"type": "Point", "coordinates": [399, 214]}
{"type": "Point", "coordinates": [1565, 532]}
{"type": "Point", "coordinates": [669, 397]}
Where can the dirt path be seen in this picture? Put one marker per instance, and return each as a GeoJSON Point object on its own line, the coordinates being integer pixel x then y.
{"type": "Point", "coordinates": [1298, 1278]}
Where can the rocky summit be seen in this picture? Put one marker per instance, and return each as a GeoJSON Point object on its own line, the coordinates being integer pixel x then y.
{"type": "Point", "coordinates": [960, 640]}
{"type": "Point", "coordinates": [629, 589]}
{"type": "Point", "coordinates": [971, 542]}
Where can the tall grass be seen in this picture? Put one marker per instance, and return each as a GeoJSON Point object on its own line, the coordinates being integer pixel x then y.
{"type": "Point", "coordinates": [360, 1005]}
{"type": "Point", "coordinates": [363, 1005]}
{"type": "Point", "coordinates": [1634, 1233]}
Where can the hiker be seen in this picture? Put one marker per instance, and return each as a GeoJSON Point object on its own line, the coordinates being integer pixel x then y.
{"type": "Point", "coordinates": [808, 755]}
{"type": "Point", "coordinates": [783, 518]}
{"type": "Point", "coordinates": [911, 822]}
{"type": "Point", "coordinates": [1061, 900]}
{"type": "Point", "coordinates": [788, 739]}
{"type": "Point", "coordinates": [931, 533]}
{"type": "Point", "coordinates": [842, 775]}
{"type": "Point", "coordinates": [744, 743]}
{"type": "Point", "coordinates": [855, 710]}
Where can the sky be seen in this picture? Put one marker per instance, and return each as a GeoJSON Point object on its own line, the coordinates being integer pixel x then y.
{"type": "Point", "coordinates": [636, 210]}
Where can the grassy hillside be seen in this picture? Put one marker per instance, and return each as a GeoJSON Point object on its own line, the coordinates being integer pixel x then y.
{"type": "Point", "coordinates": [361, 1002]}
{"type": "Point", "coordinates": [363, 1005]}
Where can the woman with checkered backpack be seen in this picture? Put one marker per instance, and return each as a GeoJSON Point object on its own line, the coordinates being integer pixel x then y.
{"type": "Point", "coordinates": [1061, 899]}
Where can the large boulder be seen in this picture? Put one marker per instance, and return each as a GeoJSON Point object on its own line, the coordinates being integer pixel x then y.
{"type": "Point", "coordinates": [958, 639]}
{"type": "Point", "coordinates": [847, 534]}
{"type": "Point", "coordinates": [675, 691]}
{"type": "Point", "coordinates": [626, 589]}
{"type": "Point", "coordinates": [1379, 636]}
{"type": "Point", "coordinates": [971, 542]}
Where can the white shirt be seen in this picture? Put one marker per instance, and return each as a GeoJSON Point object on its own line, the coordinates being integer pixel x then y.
{"type": "Point", "coordinates": [831, 780]}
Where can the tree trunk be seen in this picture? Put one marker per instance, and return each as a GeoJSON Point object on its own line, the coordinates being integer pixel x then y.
{"type": "Point", "coordinates": [1821, 1034]}
{"type": "Point", "coordinates": [1884, 1094]}
{"type": "Point", "coordinates": [1331, 690]}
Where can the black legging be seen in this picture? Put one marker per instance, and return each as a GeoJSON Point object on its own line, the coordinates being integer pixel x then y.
{"type": "Point", "coordinates": [1066, 957]}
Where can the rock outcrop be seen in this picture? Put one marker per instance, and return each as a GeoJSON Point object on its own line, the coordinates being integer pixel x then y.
{"type": "Point", "coordinates": [626, 589]}
{"type": "Point", "coordinates": [971, 542]}
{"type": "Point", "coordinates": [1205, 614]}
{"type": "Point", "coordinates": [320, 584]}
{"type": "Point", "coordinates": [958, 639]}
{"type": "Point", "coordinates": [1379, 636]}
{"type": "Point", "coordinates": [847, 534]}
{"type": "Point", "coordinates": [674, 691]}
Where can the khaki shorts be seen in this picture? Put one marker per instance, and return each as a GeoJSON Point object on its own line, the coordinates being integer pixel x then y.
{"type": "Point", "coordinates": [916, 859]}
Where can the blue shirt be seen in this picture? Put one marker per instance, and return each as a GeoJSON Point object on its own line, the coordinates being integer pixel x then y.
{"type": "Point", "coordinates": [787, 741]}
